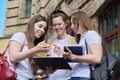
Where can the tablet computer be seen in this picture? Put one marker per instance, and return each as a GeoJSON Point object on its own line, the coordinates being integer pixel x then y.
{"type": "Point", "coordinates": [75, 49]}
{"type": "Point", "coordinates": [53, 62]}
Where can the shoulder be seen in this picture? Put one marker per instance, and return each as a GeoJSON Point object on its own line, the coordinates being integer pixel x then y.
{"type": "Point", "coordinates": [91, 32]}
{"type": "Point", "coordinates": [19, 34]}
{"type": "Point", "coordinates": [92, 37]}
{"type": "Point", "coordinates": [19, 37]}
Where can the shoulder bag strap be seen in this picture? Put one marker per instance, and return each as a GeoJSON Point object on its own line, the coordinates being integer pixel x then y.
{"type": "Point", "coordinates": [3, 54]}
{"type": "Point", "coordinates": [90, 66]}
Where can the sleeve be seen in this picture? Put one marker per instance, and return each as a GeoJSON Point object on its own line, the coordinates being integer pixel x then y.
{"type": "Point", "coordinates": [19, 37]}
{"type": "Point", "coordinates": [93, 37]}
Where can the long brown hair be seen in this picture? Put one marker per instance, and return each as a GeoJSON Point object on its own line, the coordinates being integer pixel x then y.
{"type": "Point", "coordinates": [31, 39]}
{"type": "Point", "coordinates": [82, 18]}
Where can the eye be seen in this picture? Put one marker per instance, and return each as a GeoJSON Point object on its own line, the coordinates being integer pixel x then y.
{"type": "Point", "coordinates": [54, 25]}
{"type": "Point", "coordinates": [40, 26]}
{"type": "Point", "coordinates": [59, 24]}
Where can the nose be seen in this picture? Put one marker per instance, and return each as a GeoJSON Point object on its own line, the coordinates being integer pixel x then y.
{"type": "Point", "coordinates": [42, 30]}
{"type": "Point", "coordinates": [72, 26]}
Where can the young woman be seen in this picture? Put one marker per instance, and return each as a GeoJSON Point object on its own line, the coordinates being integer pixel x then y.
{"type": "Point", "coordinates": [60, 21]}
{"type": "Point", "coordinates": [82, 25]}
{"type": "Point", "coordinates": [23, 46]}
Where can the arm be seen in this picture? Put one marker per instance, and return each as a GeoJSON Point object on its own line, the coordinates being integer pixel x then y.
{"type": "Point", "coordinates": [95, 49]}
{"type": "Point", "coordinates": [93, 58]}
{"type": "Point", "coordinates": [16, 55]}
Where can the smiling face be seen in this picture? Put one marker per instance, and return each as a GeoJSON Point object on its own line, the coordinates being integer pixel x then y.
{"type": "Point", "coordinates": [59, 25]}
{"type": "Point", "coordinates": [39, 28]}
{"type": "Point", "coordinates": [76, 26]}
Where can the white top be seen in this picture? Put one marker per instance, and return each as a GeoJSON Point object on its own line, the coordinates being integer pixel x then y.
{"type": "Point", "coordinates": [82, 69]}
{"type": "Point", "coordinates": [24, 70]}
{"type": "Point", "coordinates": [60, 74]}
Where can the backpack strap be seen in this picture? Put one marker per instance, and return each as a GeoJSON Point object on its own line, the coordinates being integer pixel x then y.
{"type": "Point", "coordinates": [3, 54]}
{"type": "Point", "coordinates": [72, 40]}
{"type": "Point", "coordinates": [90, 66]}
{"type": "Point", "coordinates": [52, 41]}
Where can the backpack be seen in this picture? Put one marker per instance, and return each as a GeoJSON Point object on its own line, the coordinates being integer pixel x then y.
{"type": "Point", "coordinates": [104, 70]}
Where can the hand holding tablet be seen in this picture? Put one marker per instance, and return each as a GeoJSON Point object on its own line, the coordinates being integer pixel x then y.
{"type": "Point", "coordinates": [72, 49]}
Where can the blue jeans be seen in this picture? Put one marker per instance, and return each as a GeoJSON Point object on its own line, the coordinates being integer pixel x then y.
{"type": "Point", "coordinates": [79, 78]}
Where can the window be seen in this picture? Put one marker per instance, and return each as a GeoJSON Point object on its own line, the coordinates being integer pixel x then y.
{"type": "Point", "coordinates": [113, 46]}
{"type": "Point", "coordinates": [110, 20]}
{"type": "Point", "coordinates": [108, 26]}
{"type": "Point", "coordinates": [28, 8]}
{"type": "Point", "coordinates": [25, 8]}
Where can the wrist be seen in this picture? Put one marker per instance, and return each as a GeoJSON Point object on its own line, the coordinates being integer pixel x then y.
{"type": "Point", "coordinates": [73, 57]}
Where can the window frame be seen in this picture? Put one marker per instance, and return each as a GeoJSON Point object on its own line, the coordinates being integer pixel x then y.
{"type": "Point", "coordinates": [22, 9]}
{"type": "Point", "coordinates": [108, 36]}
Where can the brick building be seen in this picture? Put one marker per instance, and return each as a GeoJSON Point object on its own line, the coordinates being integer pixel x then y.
{"type": "Point", "coordinates": [104, 13]}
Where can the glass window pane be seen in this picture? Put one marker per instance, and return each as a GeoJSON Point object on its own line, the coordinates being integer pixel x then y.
{"type": "Point", "coordinates": [106, 25]}
{"type": "Point", "coordinates": [28, 8]}
{"type": "Point", "coordinates": [109, 44]}
{"type": "Point", "coordinates": [110, 21]}
{"type": "Point", "coordinates": [113, 47]}
{"type": "Point", "coordinates": [115, 16]}
{"type": "Point", "coordinates": [116, 47]}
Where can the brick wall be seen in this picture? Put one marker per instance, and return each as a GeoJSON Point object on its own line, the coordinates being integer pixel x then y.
{"type": "Point", "coordinates": [15, 22]}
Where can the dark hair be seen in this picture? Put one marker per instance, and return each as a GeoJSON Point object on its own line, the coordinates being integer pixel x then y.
{"type": "Point", "coordinates": [64, 16]}
{"type": "Point", "coordinates": [57, 13]}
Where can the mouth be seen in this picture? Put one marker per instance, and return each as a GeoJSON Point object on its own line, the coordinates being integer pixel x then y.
{"type": "Point", "coordinates": [73, 29]}
{"type": "Point", "coordinates": [39, 34]}
{"type": "Point", "coordinates": [58, 30]}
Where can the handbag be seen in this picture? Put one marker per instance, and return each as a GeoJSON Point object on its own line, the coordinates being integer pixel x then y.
{"type": "Point", "coordinates": [104, 70]}
{"type": "Point", "coordinates": [5, 72]}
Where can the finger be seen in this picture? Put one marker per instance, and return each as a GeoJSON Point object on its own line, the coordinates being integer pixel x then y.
{"type": "Point", "coordinates": [56, 46]}
{"type": "Point", "coordinates": [40, 71]}
{"type": "Point", "coordinates": [68, 49]}
{"type": "Point", "coordinates": [45, 49]}
{"type": "Point", "coordinates": [49, 70]}
{"type": "Point", "coordinates": [52, 70]}
{"type": "Point", "coordinates": [46, 46]}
